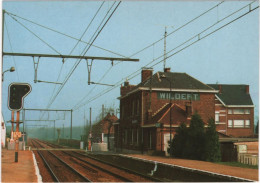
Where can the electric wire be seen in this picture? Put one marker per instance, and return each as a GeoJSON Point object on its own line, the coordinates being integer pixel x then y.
{"type": "Point", "coordinates": [9, 40]}
{"type": "Point", "coordinates": [199, 39]}
{"type": "Point", "coordinates": [35, 34]}
{"type": "Point", "coordinates": [69, 36]}
{"type": "Point", "coordinates": [178, 29]}
{"type": "Point", "coordinates": [77, 45]}
{"type": "Point", "coordinates": [182, 26]}
{"type": "Point", "coordinates": [77, 63]}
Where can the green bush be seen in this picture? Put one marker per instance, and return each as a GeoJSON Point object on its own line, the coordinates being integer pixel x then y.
{"type": "Point", "coordinates": [195, 143]}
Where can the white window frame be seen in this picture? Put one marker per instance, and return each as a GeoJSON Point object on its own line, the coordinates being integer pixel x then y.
{"type": "Point", "coordinates": [230, 123]}
{"type": "Point", "coordinates": [247, 123]}
{"type": "Point", "coordinates": [216, 117]}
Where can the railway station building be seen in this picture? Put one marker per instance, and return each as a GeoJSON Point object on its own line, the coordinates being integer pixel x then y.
{"type": "Point", "coordinates": [146, 109]}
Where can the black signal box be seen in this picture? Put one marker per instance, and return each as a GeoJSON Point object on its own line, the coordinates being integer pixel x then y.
{"type": "Point", "coordinates": [17, 92]}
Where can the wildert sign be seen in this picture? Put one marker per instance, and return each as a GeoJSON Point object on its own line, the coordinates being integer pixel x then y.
{"type": "Point", "coordinates": [178, 96]}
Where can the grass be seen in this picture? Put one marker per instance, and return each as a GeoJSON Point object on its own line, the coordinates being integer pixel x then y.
{"type": "Point", "coordinates": [238, 164]}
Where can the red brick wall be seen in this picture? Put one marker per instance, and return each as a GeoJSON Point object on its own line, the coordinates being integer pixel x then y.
{"type": "Point", "coordinates": [242, 132]}
{"type": "Point", "coordinates": [205, 106]}
{"type": "Point", "coordinates": [222, 126]}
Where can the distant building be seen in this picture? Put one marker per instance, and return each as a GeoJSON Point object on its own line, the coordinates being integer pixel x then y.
{"type": "Point", "coordinates": [104, 130]}
{"type": "Point", "coordinates": [145, 109]}
{"type": "Point", "coordinates": [234, 110]}
{"type": "Point", "coordinates": [3, 132]}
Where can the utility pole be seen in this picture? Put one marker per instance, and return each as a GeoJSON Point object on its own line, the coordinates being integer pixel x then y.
{"type": "Point", "coordinates": [90, 135]}
{"type": "Point", "coordinates": [103, 111]}
{"type": "Point", "coordinates": [71, 124]}
{"type": "Point", "coordinates": [3, 19]}
{"type": "Point", "coordinates": [164, 60]}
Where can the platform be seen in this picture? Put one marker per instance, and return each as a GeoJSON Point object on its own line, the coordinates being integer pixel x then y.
{"type": "Point", "coordinates": [244, 173]}
{"type": "Point", "coordinates": [22, 171]}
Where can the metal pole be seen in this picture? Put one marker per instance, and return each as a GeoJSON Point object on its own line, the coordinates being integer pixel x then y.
{"type": "Point", "coordinates": [54, 131]}
{"type": "Point", "coordinates": [71, 124]}
{"type": "Point", "coordinates": [16, 137]}
{"type": "Point", "coordinates": [170, 117]}
{"type": "Point", "coordinates": [3, 19]}
{"type": "Point", "coordinates": [70, 56]}
{"type": "Point", "coordinates": [12, 121]}
{"type": "Point", "coordinates": [23, 129]}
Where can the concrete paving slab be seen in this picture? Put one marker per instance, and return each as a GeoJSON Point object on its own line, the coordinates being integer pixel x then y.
{"type": "Point", "coordinates": [21, 171]}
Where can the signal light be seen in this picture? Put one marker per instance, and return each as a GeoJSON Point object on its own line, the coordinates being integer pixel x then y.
{"type": "Point", "coordinates": [16, 94]}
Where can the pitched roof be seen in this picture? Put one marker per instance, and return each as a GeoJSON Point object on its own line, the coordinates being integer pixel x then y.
{"type": "Point", "coordinates": [178, 81]}
{"type": "Point", "coordinates": [179, 114]}
{"type": "Point", "coordinates": [233, 94]}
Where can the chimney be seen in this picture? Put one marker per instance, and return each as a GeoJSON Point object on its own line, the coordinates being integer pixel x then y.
{"type": "Point", "coordinates": [188, 109]}
{"type": "Point", "coordinates": [126, 83]}
{"type": "Point", "coordinates": [146, 73]}
{"type": "Point", "coordinates": [167, 69]}
{"type": "Point", "coordinates": [247, 89]}
{"type": "Point", "coordinates": [220, 88]}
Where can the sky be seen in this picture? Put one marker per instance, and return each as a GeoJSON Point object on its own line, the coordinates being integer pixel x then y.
{"type": "Point", "coordinates": [228, 56]}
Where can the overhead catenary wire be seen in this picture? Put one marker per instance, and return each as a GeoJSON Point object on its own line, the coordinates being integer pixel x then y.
{"type": "Point", "coordinates": [77, 63]}
{"type": "Point", "coordinates": [9, 40]}
{"type": "Point", "coordinates": [76, 46]}
{"type": "Point", "coordinates": [61, 33]}
{"type": "Point", "coordinates": [35, 35]}
{"type": "Point", "coordinates": [133, 75]}
{"type": "Point", "coordinates": [179, 28]}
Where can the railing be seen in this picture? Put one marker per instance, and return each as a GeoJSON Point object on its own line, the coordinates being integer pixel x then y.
{"type": "Point", "coordinates": [248, 159]}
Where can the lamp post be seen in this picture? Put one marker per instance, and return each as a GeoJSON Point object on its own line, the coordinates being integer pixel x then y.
{"type": "Point", "coordinates": [164, 77]}
{"type": "Point", "coordinates": [12, 69]}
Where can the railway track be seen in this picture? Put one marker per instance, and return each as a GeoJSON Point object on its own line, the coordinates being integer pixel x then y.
{"type": "Point", "coordinates": [87, 167]}
{"type": "Point", "coordinates": [58, 169]}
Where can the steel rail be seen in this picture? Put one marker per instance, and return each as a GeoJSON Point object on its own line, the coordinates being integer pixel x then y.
{"type": "Point", "coordinates": [67, 165]}
{"type": "Point", "coordinates": [100, 168]}
{"type": "Point", "coordinates": [48, 167]}
{"type": "Point", "coordinates": [73, 170]}
{"type": "Point", "coordinates": [122, 168]}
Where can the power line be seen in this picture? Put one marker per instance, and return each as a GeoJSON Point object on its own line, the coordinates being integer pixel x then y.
{"type": "Point", "coordinates": [76, 46]}
{"type": "Point", "coordinates": [34, 34]}
{"type": "Point", "coordinates": [199, 39]}
{"type": "Point", "coordinates": [9, 40]}
{"type": "Point", "coordinates": [75, 66]}
{"type": "Point", "coordinates": [69, 36]}
{"type": "Point", "coordinates": [177, 29]}
{"type": "Point", "coordinates": [152, 45]}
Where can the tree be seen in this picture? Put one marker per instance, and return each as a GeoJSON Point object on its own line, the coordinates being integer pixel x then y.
{"type": "Point", "coordinates": [257, 126]}
{"type": "Point", "coordinates": [212, 146]}
{"type": "Point", "coordinates": [195, 143]}
{"type": "Point", "coordinates": [179, 141]}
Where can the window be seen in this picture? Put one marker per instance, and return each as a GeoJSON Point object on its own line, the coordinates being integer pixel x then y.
{"type": "Point", "coordinates": [150, 140]}
{"type": "Point", "coordinates": [238, 111]}
{"type": "Point", "coordinates": [247, 111]}
{"type": "Point", "coordinates": [217, 117]}
{"type": "Point", "coordinates": [230, 123]}
{"type": "Point", "coordinates": [137, 107]}
{"type": "Point", "coordinates": [247, 123]}
{"type": "Point", "coordinates": [125, 136]}
{"type": "Point", "coordinates": [133, 107]}
{"type": "Point", "coordinates": [238, 123]}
